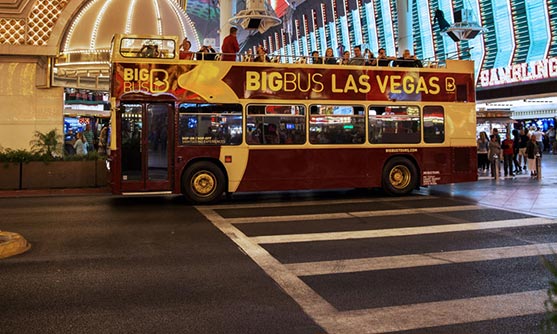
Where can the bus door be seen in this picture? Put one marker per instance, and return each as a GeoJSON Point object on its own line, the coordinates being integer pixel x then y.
{"type": "Point", "coordinates": [146, 146]}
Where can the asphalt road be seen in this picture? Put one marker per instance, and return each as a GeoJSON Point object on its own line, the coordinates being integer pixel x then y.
{"type": "Point", "coordinates": [325, 262]}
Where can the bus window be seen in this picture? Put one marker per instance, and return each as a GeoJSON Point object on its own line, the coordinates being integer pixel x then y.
{"type": "Point", "coordinates": [275, 124]}
{"type": "Point", "coordinates": [434, 124]}
{"type": "Point", "coordinates": [147, 48]}
{"type": "Point", "coordinates": [210, 124]}
{"type": "Point", "coordinates": [394, 125]}
{"type": "Point", "coordinates": [337, 124]}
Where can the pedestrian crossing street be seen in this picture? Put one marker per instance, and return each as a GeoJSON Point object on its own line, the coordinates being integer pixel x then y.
{"type": "Point", "coordinates": [408, 264]}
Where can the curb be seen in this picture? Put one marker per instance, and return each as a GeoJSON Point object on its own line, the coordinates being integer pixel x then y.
{"type": "Point", "coordinates": [12, 244]}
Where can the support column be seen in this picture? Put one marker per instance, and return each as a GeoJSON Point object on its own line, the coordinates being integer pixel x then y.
{"type": "Point", "coordinates": [405, 37]}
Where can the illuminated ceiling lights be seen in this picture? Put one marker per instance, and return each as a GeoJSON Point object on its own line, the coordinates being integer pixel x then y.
{"type": "Point", "coordinates": [255, 17]}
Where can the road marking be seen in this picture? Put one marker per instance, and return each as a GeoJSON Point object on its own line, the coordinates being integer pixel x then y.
{"type": "Point", "coordinates": [344, 215]}
{"type": "Point", "coordinates": [328, 202]}
{"type": "Point", "coordinates": [398, 232]}
{"type": "Point", "coordinates": [419, 260]}
{"type": "Point", "coordinates": [388, 319]}
{"type": "Point", "coordinates": [443, 313]}
{"type": "Point", "coordinates": [311, 302]}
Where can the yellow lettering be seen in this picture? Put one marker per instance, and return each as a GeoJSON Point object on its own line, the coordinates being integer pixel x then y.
{"type": "Point", "coordinates": [422, 86]}
{"type": "Point", "coordinates": [382, 83]}
{"type": "Point", "coordinates": [334, 84]}
{"type": "Point", "coordinates": [364, 83]}
{"type": "Point", "coordinates": [252, 80]}
{"type": "Point", "coordinates": [434, 85]}
{"type": "Point", "coordinates": [350, 85]}
{"type": "Point", "coordinates": [264, 81]}
{"type": "Point", "coordinates": [408, 84]}
{"type": "Point", "coordinates": [305, 89]}
{"type": "Point", "coordinates": [128, 74]}
{"type": "Point", "coordinates": [275, 81]}
{"type": "Point", "coordinates": [289, 83]}
{"type": "Point", "coordinates": [317, 84]}
{"type": "Point", "coordinates": [128, 86]}
{"type": "Point", "coordinates": [143, 74]}
{"type": "Point", "coordinates": [159, 81]}
{"type": "Point", "coordinates": [395, 84]}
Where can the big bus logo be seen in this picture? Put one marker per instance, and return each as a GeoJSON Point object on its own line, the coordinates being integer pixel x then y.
{"type": "Point", "coordinates": [151, 80]}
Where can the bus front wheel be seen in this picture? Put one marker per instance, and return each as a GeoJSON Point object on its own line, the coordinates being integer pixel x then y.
{"type": "Point", "coordinates": [400, 176]}
{"type": "Point", "coordinates": [203, 182]}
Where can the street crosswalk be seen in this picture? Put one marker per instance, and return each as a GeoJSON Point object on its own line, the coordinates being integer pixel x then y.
{"type": "Point", "coordinates": [349, 242]}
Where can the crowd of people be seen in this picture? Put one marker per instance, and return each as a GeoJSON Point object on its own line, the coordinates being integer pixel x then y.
{"type": "Point", "coordinates": [518, 150]}
{"type": "Point", "coordinates": [230, 52]}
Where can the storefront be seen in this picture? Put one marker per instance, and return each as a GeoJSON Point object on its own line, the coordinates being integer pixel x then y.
{"type": "Point", "coordinates": [86, 112]}
{"type": "Point", "coordinates": [487, 120]}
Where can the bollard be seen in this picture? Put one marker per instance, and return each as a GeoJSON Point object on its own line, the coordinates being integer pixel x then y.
{"type": "Point", "coordinates": [538, 166]}
{"type": "Point", "coordinates": [495, 166]}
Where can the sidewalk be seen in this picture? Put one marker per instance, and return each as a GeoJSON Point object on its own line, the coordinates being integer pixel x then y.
{"type": "Point", "coordinates": [520, 193]}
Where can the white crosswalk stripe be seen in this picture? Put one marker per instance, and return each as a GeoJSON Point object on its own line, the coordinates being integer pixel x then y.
{"type": "Point", "coordinates": [397, 232]}
{"type": "Point", "coordinates": [418, 260]}
{"type": "Point", "coordinates": [387, 319]}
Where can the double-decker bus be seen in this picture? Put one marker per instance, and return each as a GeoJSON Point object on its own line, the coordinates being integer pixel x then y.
{"type": "Point", "coordinates": [204, 128]}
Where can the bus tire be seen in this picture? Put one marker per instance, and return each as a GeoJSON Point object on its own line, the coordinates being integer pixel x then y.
{"type": "Point", "coordinates": [203, 182]}
{"type": "Point", "coordinates": [399, 177]}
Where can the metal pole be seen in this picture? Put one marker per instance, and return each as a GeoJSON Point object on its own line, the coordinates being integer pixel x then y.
{"type": "Point", "coordinates": [538, 166]}
{"type": "Point", "coordinates": [405, 37]}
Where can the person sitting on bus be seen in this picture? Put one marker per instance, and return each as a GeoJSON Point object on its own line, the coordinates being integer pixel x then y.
{"type": "Point", "coordinates": [185, 52]}
{"type": "Point", "coordinates": [345, 58]}
{"type": "Point", "coordinates": [358, 59]}
{"type": "Point", "coordinates": [408, 60]}
{"type": "Point", "coordinates": [329, 57]}
{"type": "Point", "coordinates": [382, 58]}
{"type": "Point", "coordinates": [262, 55]}
{"type": "Point", "coordinates": [369, 57]}
{"type": "Point", "coordinates": [248, 56]}
{"type": "Point", "coordinates": [206, 53]}
{"type": "Point", "coordinates": [315, 59]}
{"type": "Point", "coordinates": [149, 51]}
{"type": "Point", "coordinates": [272, 136]}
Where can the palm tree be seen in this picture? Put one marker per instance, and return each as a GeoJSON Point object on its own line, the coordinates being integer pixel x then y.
{"type": "Point", "coordinates": [47, 144]}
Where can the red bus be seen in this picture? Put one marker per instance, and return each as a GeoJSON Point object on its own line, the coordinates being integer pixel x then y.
{"type": "Point", "coordinates": [204, 128]}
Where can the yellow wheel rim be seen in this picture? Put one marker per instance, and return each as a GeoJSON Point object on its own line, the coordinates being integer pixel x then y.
{"type": "Point", "coordinates": [400, 177]}
{"type": "Point", "coordinates": [203, 183]}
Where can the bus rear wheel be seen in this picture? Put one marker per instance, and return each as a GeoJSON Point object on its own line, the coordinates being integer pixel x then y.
{"type": "Point", "coordinates": [399, 177]}
{"type": "Point", "coordinates": [203, 182]}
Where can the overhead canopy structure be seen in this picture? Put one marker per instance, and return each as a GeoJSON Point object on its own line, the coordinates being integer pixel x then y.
{"type": "Point", "coordinates": [256, 16]}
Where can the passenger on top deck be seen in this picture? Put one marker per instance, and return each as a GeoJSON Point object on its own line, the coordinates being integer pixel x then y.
{"type": "Point", "coordinates": [315, 59]}
{"type": "Point", "coordinates": [329, 57]}
{"type": "Point", "coordinates": [230, 46]}
{"type": "Point", "coordinates": [206, 53]}
{"type": "Point", "coordinates": [408, 60]}
{"type": "Point", "coordinates": [382, 58]}
{"type": "Point", "coordinates": [185, 52]}
{"type": "Point", "coordinates": [345, 58]}
{"type": "Point", "coordinates": [261, 55]}
{"type": "Point", "coordinates": [358, 59]}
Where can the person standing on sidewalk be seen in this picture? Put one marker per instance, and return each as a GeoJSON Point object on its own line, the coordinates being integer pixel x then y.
{"type": "Point", "coordinates": [494, 155]}
{"type": "Point", "coordinates": [508, 153]}
{"type": "Point", "coordinates": [482, 149]}
{"type": "Point", "coordinates": [532, 150]}
{"type": "Point", "coordinates": [516, 143]}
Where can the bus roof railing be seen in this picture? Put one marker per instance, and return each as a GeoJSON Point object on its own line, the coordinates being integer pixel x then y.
{"type": "Point", "coordinates": [298, 59]}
